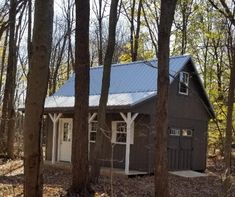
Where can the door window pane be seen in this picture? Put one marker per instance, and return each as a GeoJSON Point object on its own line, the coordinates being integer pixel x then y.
{"type": "Point", "coordinates": [67, 132]}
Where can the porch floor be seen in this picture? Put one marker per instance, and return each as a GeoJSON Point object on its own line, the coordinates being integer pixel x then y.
{"type": "Point", "coordinates": [188, 173]}
{"type": "Point", "coordinates": [104, 170]}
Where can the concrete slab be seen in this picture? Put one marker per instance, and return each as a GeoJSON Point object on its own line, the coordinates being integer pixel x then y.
{"type": "Point", "coordinates": [188, 174]}
{"type": "Point", "coordinates": [121, 172]}
{"type": "Point", "coordinates": [104, 171]}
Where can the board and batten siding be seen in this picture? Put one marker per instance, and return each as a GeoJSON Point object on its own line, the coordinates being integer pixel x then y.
{"type": "Point", "coordinates": [185, 112]}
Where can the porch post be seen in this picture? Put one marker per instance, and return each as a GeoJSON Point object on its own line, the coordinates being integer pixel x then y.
{"type": "Point", "coordinates": [90, 118]}
{"type": "Point", "coordinates": [129, 120]}
{"type": "Point", "coordinates": [54, 119]}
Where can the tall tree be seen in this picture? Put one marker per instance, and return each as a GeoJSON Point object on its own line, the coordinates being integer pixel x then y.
{"type": "Point", "coordinates": [36, 93]}
{"type": "Point", "coordinates": [99, 11]}
{"type": "Point", "coordinates": [95, 170]}
{"type": "Point", "coordinates": [185, 10]}
{"type": "Point", "coordinates": [227, 9]}
{"type": "Point", "coordinates": [161, 169]}
{"type": "Point", "coordinates": [80, 165]}
{"type": "Point", "coordinates": [8, 110]}
{"type": "Point", "coordinates": [3, 62]}
{"type": "Point", "coordinates": [135, 23]}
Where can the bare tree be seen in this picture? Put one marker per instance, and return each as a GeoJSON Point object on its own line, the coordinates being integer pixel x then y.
{"type": "Point", "coordinates": [95, 170]}
{"type": "Point", "coordinates": [36, 93]}
{"type": "Point", "coordinates": [99, 10]}
{"type": "Point", "coordinates": [161, 169]}
{"type": "Point", "coordinates": [3, 62]}
{"type": "Point", "coordinates": [80, 165]}
{"type": "Point", "coordinates": [7, 123]}
{"type": "Point", "coordinates": [185, 10]}
{"type": "Point", "coordinates": [151, 12]}
{"type": "Point", "coordinates": [135, 22]}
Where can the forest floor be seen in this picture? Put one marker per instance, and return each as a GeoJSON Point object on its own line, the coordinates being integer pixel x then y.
{"type": "Point", "coordinates": [57, 181]}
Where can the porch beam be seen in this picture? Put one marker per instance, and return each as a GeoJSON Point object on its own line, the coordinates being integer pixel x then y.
{"type": "Point", "coordinates": [129, 119]}
{"type": "Point", "coordinates": [90, 119]}
{"type": "Point", "coordinates": [54, 120]}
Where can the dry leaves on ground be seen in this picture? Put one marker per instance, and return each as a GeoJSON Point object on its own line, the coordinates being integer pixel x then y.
{"type": "Point", "coordinates": [58, 180]}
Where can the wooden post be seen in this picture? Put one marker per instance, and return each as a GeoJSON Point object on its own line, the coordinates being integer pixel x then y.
{"type": "Point", "coordinates": [54, 119]}
{"type": "Point", "coordinates": [90, 119]}
{"type": "Point", "coordinates": [129, 120]}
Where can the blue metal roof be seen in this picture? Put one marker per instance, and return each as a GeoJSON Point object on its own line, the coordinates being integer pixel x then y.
{"type": "Point", "coordinates": [140, 76]}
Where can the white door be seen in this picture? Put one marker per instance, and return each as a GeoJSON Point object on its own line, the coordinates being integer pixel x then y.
{"type": "Point", "coordinates": [65, 139]}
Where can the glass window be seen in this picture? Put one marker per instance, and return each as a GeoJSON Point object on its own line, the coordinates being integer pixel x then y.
{"type": "Point", "coordinates": [187, 132]}
{"type": "Point", "coordinates": [67, 132]}
{"type": "Point", "coordinates": [94, 128]}
{"type": "Point", "coordinates": [184, 83]}
{"type": "Point", "coordinates": [174, 132]}
{"type": "Point", "coordinates": [121, 132]}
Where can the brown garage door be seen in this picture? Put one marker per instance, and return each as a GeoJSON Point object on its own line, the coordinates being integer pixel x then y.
{"type": "Point", "coordinates": [180, 149]}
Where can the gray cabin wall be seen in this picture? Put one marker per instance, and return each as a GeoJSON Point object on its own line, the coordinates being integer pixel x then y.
{"type": "Point", "coordinates": [190, 112]}
{"type": "Point", "coordinates": [48, 133]}
{"type": "Point", "coordinates": [185, 112]}
{"type": "Point", "coordinates": [49, 136]}
{"type": "Point", "coordinates": [140, 152]}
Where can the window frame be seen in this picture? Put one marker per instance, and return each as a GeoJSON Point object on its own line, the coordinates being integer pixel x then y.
{"type": "Point", "coordinates": [175, 135]}
{"type": "Point", "coordinates": [114, 132]}
{"type": "Point", "coordinates": [92, 131]}
{"type": "Point", "coordinates": [181, 82]}
{"type": "Point", "coordinates": [180, 132]}
{"type": "Point", "coordinates": [191, 131]}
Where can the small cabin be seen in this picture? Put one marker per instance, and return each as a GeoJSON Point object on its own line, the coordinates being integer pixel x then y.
{"type": "Point", "coordinates": [131, 114]}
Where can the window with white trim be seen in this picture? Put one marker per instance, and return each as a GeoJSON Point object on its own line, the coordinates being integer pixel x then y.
{"type": "Point", "coordinates": [187, 132]}
{"type": "Point", "coordinates": [184, 83]}
{"type": "Point", "coordinates": [181, 132]}
{"type": "Point", "coordinates": [119, 132]}
{"type": "Point", "coordinates": [174, 132]}
{"type": "Point", "coordinates": [93, 130]}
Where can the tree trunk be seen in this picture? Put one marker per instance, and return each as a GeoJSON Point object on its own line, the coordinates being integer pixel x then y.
{"type": "Point", "coordinates": [80, 164]}
{"type": "Point", "coordinates": [7, 123]}
{"type": "Point", "coordinates": [3, 61]}
{"type": "Point", "coordinates": [95, 168]}
{"type": "Point", "coordinates": [137, 34]}
{"type": "Point", "coordinates": [132, 29]}
{"type": "Point", "coordinates": [35, 98]}
{"type": "Point", "coordinates": [100, 29]}
{"type": "Point", "coordinates": [161, 169]}
{"type": "Point", "coordinates": [229, 120]}
{"type": "Point", "coordinates": [58, 64]}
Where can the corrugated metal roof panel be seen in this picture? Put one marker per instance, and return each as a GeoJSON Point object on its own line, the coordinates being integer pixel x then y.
{"type": "Point", "coordinates": [133, 77]}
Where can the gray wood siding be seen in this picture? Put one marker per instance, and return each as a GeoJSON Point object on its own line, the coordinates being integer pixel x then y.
{"type": "Point", "coordinates": [139, 151]}
{"type": "Point", "coordinates": [185, 112]}
{"type": "Point", "coordinates": [48, 133]}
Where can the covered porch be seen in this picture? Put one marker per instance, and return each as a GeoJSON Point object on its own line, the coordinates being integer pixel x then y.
{"type": "Point", "coordinates": [61, 139]}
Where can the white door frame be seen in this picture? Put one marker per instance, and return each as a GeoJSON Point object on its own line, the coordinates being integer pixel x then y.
{"type": "Point", "coordinates": [61, 120]}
